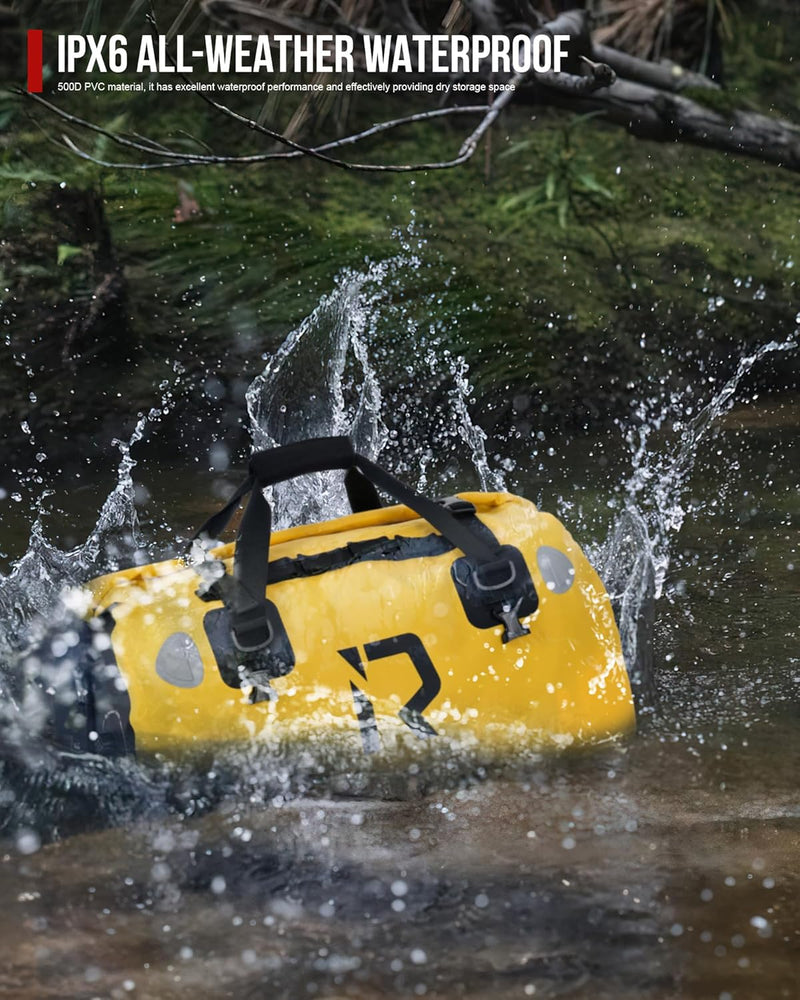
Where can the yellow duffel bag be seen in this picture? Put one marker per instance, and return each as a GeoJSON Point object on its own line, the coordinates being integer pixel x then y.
{"type": "Point", "coordinates": [476, 619]}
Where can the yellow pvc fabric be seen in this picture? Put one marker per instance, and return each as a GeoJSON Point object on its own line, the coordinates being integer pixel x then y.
{"type": "Point", "coordinates": [563, 684]}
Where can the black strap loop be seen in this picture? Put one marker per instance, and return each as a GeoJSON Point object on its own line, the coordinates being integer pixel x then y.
{"type": "Point", "coordinates": [251, 560]}
{"type": "Point", "coordinates": [453, 528]}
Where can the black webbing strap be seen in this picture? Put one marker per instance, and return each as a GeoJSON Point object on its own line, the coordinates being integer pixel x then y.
{"type": "Point", "coordinates": [251, 560]}
{"type": "Point", "coordinates": [361, 494]}
{"type": "Point", "coordinates": [275, 465]}
{"type": "Point", "coordinates": [455, 529]}
{"type": "Point", "coordinates": [218, 522]}
{"type": "Point", "coordinates": [317, 455]}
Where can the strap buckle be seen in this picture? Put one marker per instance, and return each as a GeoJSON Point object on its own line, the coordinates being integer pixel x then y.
{"type": "Point", "coordinates": [259, 681]}
{"type": "Point", "coordinates": [456, 505]}
{"type": "Point", "coordinates": [508, 614]}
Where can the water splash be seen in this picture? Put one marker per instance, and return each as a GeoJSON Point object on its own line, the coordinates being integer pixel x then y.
{"type": "Point", "coordinates": [635, 557]}
{"type": "Point", "coordinates": [472, 434]}
{"type": "Point", "coordinates": [659, 476]}
{"type": "Point", "coordinates": [41, 600]}
{"type": "Point", "coordinates": [306, 391]}
{"type": "Point", "coordinates": [363, 364]}
{"type": "Point", "coordinates": [360, 365]}
{"type": "Point", "coordinates": [31, 591]}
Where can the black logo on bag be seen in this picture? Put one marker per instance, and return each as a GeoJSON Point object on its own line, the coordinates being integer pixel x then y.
{"type": "Point", "coordinates": [411, 713]}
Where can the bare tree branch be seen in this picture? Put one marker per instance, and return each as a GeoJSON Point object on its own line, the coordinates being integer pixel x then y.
{"type": "Point", "coordinates": [664, 76]}
{"type": "Point", "coordinates": [181, 159]}
{"type": "Point", "coordinates": [647, 103]}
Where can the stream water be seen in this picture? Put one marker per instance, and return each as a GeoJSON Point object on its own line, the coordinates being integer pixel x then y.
{"type": "Point", "coordinates": [661, 866]}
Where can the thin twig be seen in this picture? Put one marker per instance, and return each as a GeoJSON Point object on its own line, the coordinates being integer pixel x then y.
{"type": "Point", "coordinates": [419, 116]}
{"type": "Point", "coordinates": [173, 164]}
{"type": "Point", "coordinates": [465, 153]}
{"type": "Point", "coordinates": [157, 147]}
{"type": "Point", "coordinates": [179, 159]}
{"type": "Point", "coordinates": [600, 75]}
{"type": "Point", "coordinates": [470, 144]}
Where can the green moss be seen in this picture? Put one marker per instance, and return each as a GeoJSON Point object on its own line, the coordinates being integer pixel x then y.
{"type": "Point", "coordinates": [534, 297]}
{"type": "Point", "coordinates": [724, 102]}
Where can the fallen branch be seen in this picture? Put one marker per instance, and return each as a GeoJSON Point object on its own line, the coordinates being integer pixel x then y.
{"type": "Point", "coordinates": [652, 114]}
{"type": "Point", "coordinates": [176, 158]}
{"type": "Point", "coordinates": [645, 99]}
{"type": "Point", "coordinates": [665, 76]}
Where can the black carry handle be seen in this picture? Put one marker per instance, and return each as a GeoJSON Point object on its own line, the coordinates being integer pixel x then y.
{"type": "Point", "coordinates": [249, 619]}
{"type": "Point", "coordinates": [276, 465]}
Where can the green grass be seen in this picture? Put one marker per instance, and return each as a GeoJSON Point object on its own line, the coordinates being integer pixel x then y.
{"type": "Point", "coordinates": [534, 296]}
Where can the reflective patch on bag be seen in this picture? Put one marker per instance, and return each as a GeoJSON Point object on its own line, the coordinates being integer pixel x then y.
{"type": "Point", "coordinates": [179, 661]}
{"type": "Point", "coordinates": [556, 568]}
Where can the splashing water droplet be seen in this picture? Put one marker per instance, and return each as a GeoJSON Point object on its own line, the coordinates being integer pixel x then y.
{"type": "Point", "coordinates": [635, 557]}
{"type": "Point", "coordinates": [339, 373]}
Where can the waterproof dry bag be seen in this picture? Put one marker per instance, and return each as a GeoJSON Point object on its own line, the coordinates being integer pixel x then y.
{"type": "Point", "coordinates": [476, 620]}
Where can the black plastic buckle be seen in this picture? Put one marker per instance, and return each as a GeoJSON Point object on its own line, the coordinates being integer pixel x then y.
{"type": "Point", "coordinates": [509, 615]}
{"type": "Point", "coordinates": [256, 668]}
{"type": "Point", "coordinates": [262, 690]}
{"type": "Point", "coordinates": [456, 505]}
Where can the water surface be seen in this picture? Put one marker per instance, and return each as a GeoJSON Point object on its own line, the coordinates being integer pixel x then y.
{"type": "Point", "coordinates": [664, 865]}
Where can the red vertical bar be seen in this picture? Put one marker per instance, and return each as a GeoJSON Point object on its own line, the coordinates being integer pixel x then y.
{"type": "Point", "coordinates": [35, 62]}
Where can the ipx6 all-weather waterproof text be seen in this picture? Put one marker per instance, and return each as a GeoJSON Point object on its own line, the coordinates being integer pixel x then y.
{"type": "Point", "coordinates": [332, 53]}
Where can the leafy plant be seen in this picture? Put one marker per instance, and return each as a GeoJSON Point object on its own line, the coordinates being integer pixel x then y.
{"type": "Point", "coordinates": [65, 251]}
{"type": "Point", "coordinates": [569, 187]}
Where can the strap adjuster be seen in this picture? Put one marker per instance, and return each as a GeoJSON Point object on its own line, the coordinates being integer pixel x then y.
{"type": "Point", "coordinates": [251, 628]}
{"type": "Point", "coordinates": [499, 589]}
{"type": "Point", "coordinates": [456, 505]}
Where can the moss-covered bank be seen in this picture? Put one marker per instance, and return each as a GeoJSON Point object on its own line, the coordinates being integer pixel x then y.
{"type": "Point", "coordinates": [580, 261]}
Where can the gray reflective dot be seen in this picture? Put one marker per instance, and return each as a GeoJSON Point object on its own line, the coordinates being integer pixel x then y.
{"type": "Point", "coordinates": [557, 571]}
{"type": "Point", "coordinates": [179, 661]}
